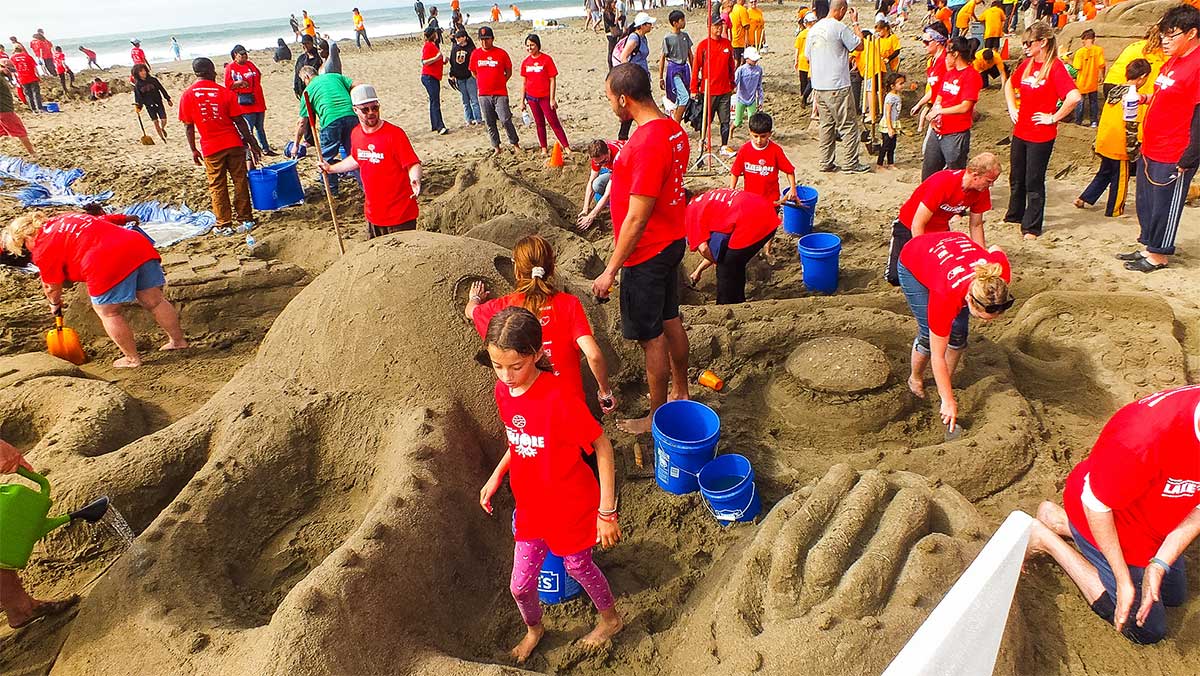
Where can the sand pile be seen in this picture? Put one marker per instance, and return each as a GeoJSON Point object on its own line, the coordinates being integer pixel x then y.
{"type": "Point", "coordinates": [1117, 25]}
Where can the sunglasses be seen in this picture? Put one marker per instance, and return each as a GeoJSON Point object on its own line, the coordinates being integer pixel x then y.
{"type": "Point", "coordinates": [370, 108]}
{"type": "Point", "coordinates": [995, 308]}
{"type": "Point", "coordinates": [1172, 36]}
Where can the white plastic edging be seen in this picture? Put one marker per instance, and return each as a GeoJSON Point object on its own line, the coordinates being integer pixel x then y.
{"type": "Point", "coordinates": [962, 635]}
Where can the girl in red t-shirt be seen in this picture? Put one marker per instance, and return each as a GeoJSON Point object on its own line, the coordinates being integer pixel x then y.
{"type": "Point", "coordinates": [566, 330]}
{"type": "Point", "coordinates": [559, 506]}
{"type": "Point", "coordinates": [1040, 81]}
{"type": "Point", "coordinates": [541, 92]}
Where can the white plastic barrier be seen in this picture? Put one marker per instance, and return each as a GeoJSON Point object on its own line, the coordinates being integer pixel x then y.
{"type": "Point", "coordinates": [962, 635]}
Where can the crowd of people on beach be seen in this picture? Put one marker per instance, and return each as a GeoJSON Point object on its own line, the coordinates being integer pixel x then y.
{"type": "Point", "coordinates": [1128, 507]}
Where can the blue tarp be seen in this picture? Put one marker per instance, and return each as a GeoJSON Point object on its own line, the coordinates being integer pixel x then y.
{"type": "Point", "coordinates": [46, 187]}
{"type": "Point", "coordinates": [168, 225]}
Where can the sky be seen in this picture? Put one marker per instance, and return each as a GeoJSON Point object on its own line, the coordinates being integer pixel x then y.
{"type": "Point", "coordinates": [64, 19]}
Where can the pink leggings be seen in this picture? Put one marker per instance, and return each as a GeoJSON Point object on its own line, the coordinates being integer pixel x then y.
{"type": "Point", "coordinates": [541, 112]}
{"type": "Point", "coordinates": [527, 563]}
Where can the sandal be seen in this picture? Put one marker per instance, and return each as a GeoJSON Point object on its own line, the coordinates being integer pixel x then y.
{"type": "Point", "coordinates": [1144, 265]}
{"type": "Point", "coordinates": [48, 608]}
{"type": "Point", "coordinates": [1131, 257]}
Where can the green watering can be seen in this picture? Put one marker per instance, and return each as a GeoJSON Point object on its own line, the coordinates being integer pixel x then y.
{"type": "Point", "coordinates": [23, 519]}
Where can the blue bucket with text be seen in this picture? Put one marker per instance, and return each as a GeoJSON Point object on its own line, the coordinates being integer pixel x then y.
{"type": "Point", "coordinates": [727, 485]}
{"type": "Point", "coordinates": [798, 220]}
{"type": "Point", "coordinates": [554, 584]}
{"type": "Point", "coordinates": [819, 257]}
{"type": "Point", "coordinates": [685, 440]}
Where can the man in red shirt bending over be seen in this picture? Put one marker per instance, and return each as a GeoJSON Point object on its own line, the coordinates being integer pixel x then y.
{"type": "Point", "coordinates": [648, 205]}
{"type": "Point", "coordinates": [208, 107]}
{"type": "Point", "coordinates": [390, 168]}
{"type": "Point", "coordinates": [1131, 508]}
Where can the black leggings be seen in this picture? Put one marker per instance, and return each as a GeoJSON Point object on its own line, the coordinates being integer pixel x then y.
{"type": "Point", "coordinates": [731, 272]}
{"type": "Point", "coordinates": [1027, 184]}
{"type": "Point", "coordinates": [805, 88]}
{"type": "Point", "coordinates": [887, 149]}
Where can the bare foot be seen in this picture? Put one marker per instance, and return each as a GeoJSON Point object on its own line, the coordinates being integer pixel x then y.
{"type": "Point", "coordinates": [127, 363]}
{"type": "Point", "coordinates": [1029, 237]}
{"type": "Point", "coordinates": [680, 395]}
{"type": "Point", "coordinates": [1080, 204]}
{"type": "Point", "coordinates": [522, 651]}
{"type": "Point", "coordinates": [172, 345]}
{"type": "Point", "coordinates": [496, 152]}
{"type": "Point", "coordinates": [610, 623]}
{"type": "Point", "coordinates": [916, 386]}
{"type": "Point", "coordinates": [517, 150]}
{"type": "Point", "coordinates": [544, 153]}
{"type": "Point", "coordinates": [635, 425]}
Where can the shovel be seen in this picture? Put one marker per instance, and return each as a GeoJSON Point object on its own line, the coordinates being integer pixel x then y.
{"type": "Point", "coordinates": [63, 342]}
{"type": "Point", "coordinates": [146, 140]}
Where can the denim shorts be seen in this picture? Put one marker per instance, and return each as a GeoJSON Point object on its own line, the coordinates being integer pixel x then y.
{"type": "Point", "coordinates": [148, 275]}
{"type": "Point", "coordinates": [918, 301]}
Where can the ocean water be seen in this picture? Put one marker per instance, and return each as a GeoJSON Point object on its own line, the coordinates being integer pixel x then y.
{"type": "Point", "coordinates": [220, 38]}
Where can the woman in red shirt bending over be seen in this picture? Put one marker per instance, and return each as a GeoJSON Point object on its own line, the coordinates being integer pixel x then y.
{"type": "Point", "coordinates": [1041, 81]}
{"type": "Point", "coordinates": [559, 506]}
{"type": "Point", "coordinates": [947, 279]}
{"type": "Point", "coordinates": [565, 328]}
{"type": "Point", "coordinates": [541, 92]}
{"type": "Point", "coordinates": [119, 266]}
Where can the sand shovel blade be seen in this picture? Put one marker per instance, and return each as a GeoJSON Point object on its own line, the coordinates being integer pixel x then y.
{"type": "Point", "coordinates": [147, 141]}
{"type": "Point", "coordinates": [63, 342]}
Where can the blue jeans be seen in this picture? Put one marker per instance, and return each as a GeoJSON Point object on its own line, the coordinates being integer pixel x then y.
{"type": "Point", "coordinates": [468, 89]}
{"type": "Point", "coordinates": [1174, 592]}
{"type": "Point", "coordinates": [255, 122]}
{"type": "Point", "coordinates": [601, 183]}
{"type": "Point", "coordinates": [433, 87]}
{"type": "Point", "coordinates": [918, 301]}
{"type": "Point", "coordinates": [335, 144]}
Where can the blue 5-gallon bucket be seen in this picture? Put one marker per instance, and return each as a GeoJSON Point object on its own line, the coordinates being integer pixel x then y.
{"type": "Point", "coordinates": [798, 220]}
{"type": "Point", "coordinates": [275, 186]}
{"type": "Point", "coordinates": [819, 256]}
{"type": "Point", "coordinates": [555, 585]}
{"type": "Point", "coordinates": [727, 484]}
{"type": "Point", "coordinates": [685, 440]}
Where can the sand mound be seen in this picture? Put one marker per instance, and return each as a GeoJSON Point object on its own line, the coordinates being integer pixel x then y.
{"type": "Point", "coordinates": [1117, 25]}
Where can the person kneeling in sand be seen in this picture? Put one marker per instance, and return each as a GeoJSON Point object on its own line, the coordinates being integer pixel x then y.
{"type": "Point", "coordinates": [1131, 509]}
{"type": "Point", "coordinates": [118, 265]}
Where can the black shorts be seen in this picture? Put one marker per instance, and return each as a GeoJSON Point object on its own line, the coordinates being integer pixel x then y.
{"type": "Point", "coordinates": [374, 231]}
{"type": "Point", "coordinates": [156, 111]}
{"type": "Point", "coordinates": [900, 236]}
{"type": "Point", "coordinates": [991, 43]}
{"type": "Point", "coordinates": [650, 293]}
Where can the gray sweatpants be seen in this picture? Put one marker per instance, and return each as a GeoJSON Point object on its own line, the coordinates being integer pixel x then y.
{"type": "Point", "coordinates": [945, 151]}
{"type": "Point", "coordinates": [495, 109]}
{"type": "Point", "coordinates": [838, 118]}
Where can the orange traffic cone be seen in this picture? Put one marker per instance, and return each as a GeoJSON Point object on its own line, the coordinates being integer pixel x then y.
{"type": "Point", "coordinates": [1004, 50]}
{"type": "Point", "coordinates": [556, 157]}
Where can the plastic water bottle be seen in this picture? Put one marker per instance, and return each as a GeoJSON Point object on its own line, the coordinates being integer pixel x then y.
{"type": "Point", "coordinates": [527, 119]}
{"type": "Point", "coordinates": [250, 241]}
{"type": "Point", "coordinates": [1129, 104]}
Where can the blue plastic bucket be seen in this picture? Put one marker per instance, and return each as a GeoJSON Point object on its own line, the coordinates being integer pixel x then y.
{"type": "Point", "coordinates": [798, 220]}
{"type": "Point", "coordinates": [819, 256]}
{"type": "Point", "coordinates": [555, 585]}
{"type": "Point", "coordinates": [262, 189]}
{"type": "Point", "coordinates": [727, 484]}
{"type": "Point", "coordinates": [50, 106]}
{"type": "Point", "coordinates": [288, 190]}
{"type": "Point", "coordinates": [685, 440]}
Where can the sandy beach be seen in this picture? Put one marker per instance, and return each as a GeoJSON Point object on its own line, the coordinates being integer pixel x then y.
{"type": "Point", "coordinates": [304, 479]}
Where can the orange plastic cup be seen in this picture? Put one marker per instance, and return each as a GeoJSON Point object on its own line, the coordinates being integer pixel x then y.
{"type": "Point", "coordinates": [711, 380]}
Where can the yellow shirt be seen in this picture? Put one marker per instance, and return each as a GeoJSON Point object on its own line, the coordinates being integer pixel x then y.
{"type": "Point", "coordinates": [310, 27]}
{"type": "Point", "coordinates": [993, 22]}
{"type": "Point", "coordinates": [1110, 133]}
{"type": "Point", "coordinates": [1116, 74]}
{"type": "Point", "coordinates": [757, 23]}
{"type": "Point", "coordinates": [965, 15]}
{"type": "Point", "coordinates": [1088, 61]}
{"type": "Point", "coordinates": [801, 60]}
{"type": "Point", "coordinates": [358, 22]}
{"type": "Point", "coordinates": [739, 21]}
{"type": "Point", "coordinates": [888, 47]}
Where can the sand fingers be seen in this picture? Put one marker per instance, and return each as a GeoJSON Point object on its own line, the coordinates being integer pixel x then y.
{"type": "Point", "coordinates": [828, 559]}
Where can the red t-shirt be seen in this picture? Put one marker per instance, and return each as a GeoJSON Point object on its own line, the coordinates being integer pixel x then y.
{"type": "Point", "coordinates": [1039, 97]}
{"type": "Point", "coordinates": [384, 158]}
{"type": "Point", "coordinates": [760, 169]}
{"type": "Point", "coordinates": [652, 164]}
{"type": "Point", "coordinates": [428, 51]}
{"type": "Point", "coordinates": [614, 147]}
{"type": "Point", "coordinates": [247, 72]}
{"type": "Point", "coordinates": [138, 55]}
{"type": "Point", "coordinates": [943, 194]}
{"type": "Point", "coordinates": [89, 54]}
{"type": "Point", "coordinates": [944, 262]}
{"type": "Point", "coordinates": [25, 68]}
{"type": "Point", "coordinates": [99, 89]}
{"type": "Point", "coordinates": [563, 323]}
{"type": "Point", "coordinates": [933, 74]}
{"type": "Point", "coordinates": [1169, 118]}
{"type": "Point", "coordinates": [556, 493]}
{"type": "Point", "coordinates": [1146, 467]}
{"type": "Point", "coordinates": [537, 71]}
{"type": "Point", "coordinates": [955, 86]}
{"type": "Point", "coordinates": [747, 216]}
{"type": "Point", "coordinates": [209, 106]}
{"type": "Point", "coordinates": [718, 73]}
{"type": "Point", "coordinates": [489, 66]}
{"type": "Point", "coordinates": [82, 248]}
{"type": "Point", "coordinates": [60, 62]}
{"type": "Point", "coordinates": [41, 48]}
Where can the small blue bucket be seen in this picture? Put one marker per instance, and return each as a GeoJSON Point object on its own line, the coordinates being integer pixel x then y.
{"type": "Point", "coordinates": [555, 585]}
{"type": "Point", "coordinates": [798, 220]}
{"type": "Point", "coordinates": [685, 440]}
{"type": "Point", "coordinates": [275, 186]}
{"type": "Point", "coordinates": [819, 257]}
{"type": "Point", "coordinates": [50, 106]}
{"type": "Point", "coordinates": [727, 484]}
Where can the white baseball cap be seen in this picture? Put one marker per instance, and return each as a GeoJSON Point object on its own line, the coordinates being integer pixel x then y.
{"type": "Point", "coordinates": [363, 94]}
{"type": "Point", "coordinates": [810, 17]}
{"type": "Point", "coordinates": [642, 19]}
{"type": "Point", "coordinates": [751, 54]}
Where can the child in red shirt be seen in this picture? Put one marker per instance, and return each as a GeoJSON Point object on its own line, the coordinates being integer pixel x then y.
{"type": "Point", "coordinates": [559, 506]}
{"type": "Point", "coordinates": [759, 163]}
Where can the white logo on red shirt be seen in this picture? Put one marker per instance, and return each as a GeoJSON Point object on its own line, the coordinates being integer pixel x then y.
{"type": "Point", "coordinates": [518, 421]}
{"type": "Point", "coordinates": [761, 169]}
{"type": "Point", "coordinates": [1180, 488]}
{"type": "Point", "coordinates": [523, 444]}
{"type": "Point", "coordinates": [369, 154]}
{"type": "Point", "coordinates": [1165, 80]}
{"type": "Point", "coordinates": [951, 87]}
{"type": "Point", "coordinates": [489, 62]}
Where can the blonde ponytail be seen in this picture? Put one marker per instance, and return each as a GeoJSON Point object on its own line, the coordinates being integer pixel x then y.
{"type": "Point", "coordinates": [989, 285]}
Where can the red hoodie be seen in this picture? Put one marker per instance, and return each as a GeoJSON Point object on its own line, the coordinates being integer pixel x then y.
{"type": "Point", "coordinates": [719, 73]}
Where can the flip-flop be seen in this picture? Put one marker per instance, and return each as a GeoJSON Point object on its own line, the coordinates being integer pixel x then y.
{"type": "Point", "coordinates": [1131, 257]}
{"type": "Point", "coordinates": [1144, 265]}
{"type": "Point", "coordinates": [48, 608]}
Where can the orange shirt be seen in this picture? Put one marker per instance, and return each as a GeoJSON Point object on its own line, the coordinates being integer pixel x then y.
{"type": "Point", "coordinates": [495, 14]}
{"type": "Point", "coordinates": [944, 15]}
{"type": "Point", "coordinates": [1089, 11]}
{"type": "Point", "coordinates": [1088, 62]}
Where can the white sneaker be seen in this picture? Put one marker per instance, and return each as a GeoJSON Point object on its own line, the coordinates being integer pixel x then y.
{"type": "Point", "coordinates": [245, 227]}
{"type": "Point", "coordinates": [727, 151]}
